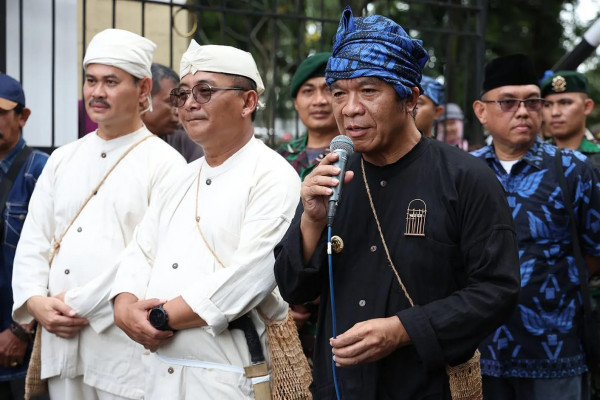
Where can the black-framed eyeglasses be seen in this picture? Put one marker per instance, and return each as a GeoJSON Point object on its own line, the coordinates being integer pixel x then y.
{"type": "Point", "coordinates": [201, 92]}
{"type": "Point", "coordinates": [512, 105]}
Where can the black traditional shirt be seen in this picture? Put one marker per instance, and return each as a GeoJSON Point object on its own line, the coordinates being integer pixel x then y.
{"type": "Point", "coordinates": [463, 274]}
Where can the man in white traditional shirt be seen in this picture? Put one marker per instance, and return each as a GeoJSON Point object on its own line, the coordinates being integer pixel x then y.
{"type": "Point", "coordinates": [203, 255]}
{"type": "Point", "coordinates": [88, 200]}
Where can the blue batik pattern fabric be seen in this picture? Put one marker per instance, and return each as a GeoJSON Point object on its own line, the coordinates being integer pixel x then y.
{"type": "Point", "coordinates": [433, 89]}
{"type": "Point", "coordinates": [376, 46]}
{"type": "Point", "coordinates": [14, 214]}
{"type": "Point", "coordinates": [542, 337]}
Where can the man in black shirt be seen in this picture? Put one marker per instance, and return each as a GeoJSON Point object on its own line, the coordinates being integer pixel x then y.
{"type": "Point", "coordinates": [441, 214]}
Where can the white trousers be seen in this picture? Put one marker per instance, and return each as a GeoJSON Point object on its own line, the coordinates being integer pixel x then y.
{"type": "Point", "coordinates": [76, 389]}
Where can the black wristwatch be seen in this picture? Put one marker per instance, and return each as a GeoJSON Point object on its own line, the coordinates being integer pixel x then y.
{"type": "Point", "coordinates": [159, 318]}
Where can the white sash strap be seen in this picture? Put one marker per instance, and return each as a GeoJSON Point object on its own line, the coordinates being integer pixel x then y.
{"type": "Point", "coordinates": [186, 362]}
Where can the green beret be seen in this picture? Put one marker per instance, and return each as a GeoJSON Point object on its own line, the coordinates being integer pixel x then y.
{"type": "Point", "coordinates": [311, 67]}
{"type": "Point", "coordinates": [565, 82]}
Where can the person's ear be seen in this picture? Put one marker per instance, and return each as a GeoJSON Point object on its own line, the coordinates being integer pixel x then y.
{"type": "Point", "coordinates": [588, 106]}
{"type": "Point", "coordinates": [411, 101]}
{"type": "Point", "coordinates": [250, 102]}
{"type": "Point", "coordinates": [24, 116]}
{"type": "Point", "coordinates": [480, 111]}
{"type": "Point", "coordinates": [145, 85]}
{"type": "Point", "coordinates": [439, 110]}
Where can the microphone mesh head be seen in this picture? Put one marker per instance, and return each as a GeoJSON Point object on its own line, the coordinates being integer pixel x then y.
{"type": "Point", "coordinates": [342, 142]}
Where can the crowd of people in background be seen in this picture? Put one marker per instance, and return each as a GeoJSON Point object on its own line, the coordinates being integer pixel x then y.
{"type": "Point", "coordinates": [154, 257]}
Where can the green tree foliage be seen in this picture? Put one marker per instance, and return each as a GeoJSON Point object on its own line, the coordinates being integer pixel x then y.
{"type": "Point", "coordinates": [460, 36]}
{"type": "Point", "coordinates": [532, 27]}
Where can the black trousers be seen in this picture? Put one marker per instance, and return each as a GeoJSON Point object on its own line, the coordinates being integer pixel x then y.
{"type": "Point", "coordinates": [15, 390]}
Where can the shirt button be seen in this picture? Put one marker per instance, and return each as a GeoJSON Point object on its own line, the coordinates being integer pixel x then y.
{"type": "Point", "coordinates": [67, 271]}
{"type": "Point", "coordinates": [170, 370]}
{"type": "Point", "coordinates": [79, 229]}
{"type": "Point", "coordinates": [362, 303]}
{"type": "Point", "coordinates": [383, 183]}
{"type": "Point", "coordinates": [208, 181]}
{"type": "Point", "coordinates": [103, 155]}
{"type": "Point", "coordinates": [373, 248]}
{"type": "Point", "coordinates": [175, 265]}
{"type": "Point", "coordinates": [21, 217]}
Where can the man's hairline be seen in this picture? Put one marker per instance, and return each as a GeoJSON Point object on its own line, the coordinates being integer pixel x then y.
{"type": "Point", "coordinates": [582, 95]}
{"type": "Point", "coordinates": [136, 80]}
{"type": "Point", "coordinates": [484, 94]}
{"type": "Point", "coordinates": [212, 82]}
{"type": "Point", "coordinates": [365, 80]}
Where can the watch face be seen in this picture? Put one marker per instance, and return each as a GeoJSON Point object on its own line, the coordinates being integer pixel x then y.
{"type": "Point", "coordinates": [158, 318]}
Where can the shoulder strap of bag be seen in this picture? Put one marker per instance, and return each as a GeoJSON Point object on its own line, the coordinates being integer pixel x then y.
{"type": "Point", "coordinates": [8, 180]}
{"type": "Point", "coordinates": [57, 241]}
{"type": "Point", "coordinates": [579, 260]}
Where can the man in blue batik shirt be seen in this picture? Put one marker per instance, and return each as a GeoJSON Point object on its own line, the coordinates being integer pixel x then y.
{"type": "Point", "coordinates": [14, 338]}
{"type": "Point", "coordinates": [538, 352]}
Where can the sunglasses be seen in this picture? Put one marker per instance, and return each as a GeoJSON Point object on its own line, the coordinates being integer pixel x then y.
{"type": "Point", "coordinates": [512, 105]}
{"type": "Point", "coordinates": [201, 93]}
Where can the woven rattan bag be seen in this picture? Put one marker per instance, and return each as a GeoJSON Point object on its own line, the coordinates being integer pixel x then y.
{"type": "Point", "coordinates": [465, 379]}
{"type": "Point", "coordinates": [34, 384]}
{"type": "Point", "coordinates": [290, 372]}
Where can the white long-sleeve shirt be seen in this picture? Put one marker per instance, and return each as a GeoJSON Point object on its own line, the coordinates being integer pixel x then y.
{"type": "Point", "coordinates": [85, 264]}
{"type": "Point", "coordinates": [245, 206]}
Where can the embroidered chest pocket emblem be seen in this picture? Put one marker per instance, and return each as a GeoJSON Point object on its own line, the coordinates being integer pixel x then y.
{"type": "Point", "coordinates": [415, 218]}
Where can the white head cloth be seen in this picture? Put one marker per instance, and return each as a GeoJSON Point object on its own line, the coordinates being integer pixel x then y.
{"type": "Point", "coordinates": [220, 59]}
{"type": "Point", "coordinates": [122, 49]}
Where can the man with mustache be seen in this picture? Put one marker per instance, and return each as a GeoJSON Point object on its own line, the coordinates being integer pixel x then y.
{"type": "Point", "coordinates": [20, 167]}
{"type": "Point", "coordinates": [86, 205]}
{"type": "Point", "coordinates": [538, 353]}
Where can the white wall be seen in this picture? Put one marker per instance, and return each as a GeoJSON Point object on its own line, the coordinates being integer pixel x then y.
{"type": "Point", "coordinates": [37, 67]}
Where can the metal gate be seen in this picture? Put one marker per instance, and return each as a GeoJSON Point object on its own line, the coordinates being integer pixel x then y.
{"type": "Point", "coordinates": [279, 34]}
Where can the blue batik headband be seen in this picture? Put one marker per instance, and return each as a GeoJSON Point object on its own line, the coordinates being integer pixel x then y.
{"type": "Point", "coordinates": [433, 89]}
{"type": "Point", "coordinates": [376, 46]}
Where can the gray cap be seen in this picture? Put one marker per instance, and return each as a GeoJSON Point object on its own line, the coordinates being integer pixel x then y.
{"type": "Point", "coordinates": [452, 111]}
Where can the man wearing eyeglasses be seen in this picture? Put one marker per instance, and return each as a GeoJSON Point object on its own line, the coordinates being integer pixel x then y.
{"type": "Point", "coordinates": [537, 354]}
{"type": "Point", "coordinates": [203, 256]}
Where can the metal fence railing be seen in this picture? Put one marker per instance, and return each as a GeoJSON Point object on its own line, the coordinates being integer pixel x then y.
{"type": "Point", "coordinates": [44, 46]}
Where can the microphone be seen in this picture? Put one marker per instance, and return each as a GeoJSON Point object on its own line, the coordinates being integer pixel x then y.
{"type": "Point", "coordinates": [343, 146]}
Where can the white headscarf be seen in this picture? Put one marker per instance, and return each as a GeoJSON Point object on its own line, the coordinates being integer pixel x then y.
{"type": "Point", "coordinates": [122, 49]}
{"type": "Point", "coordinates": [220, 59]}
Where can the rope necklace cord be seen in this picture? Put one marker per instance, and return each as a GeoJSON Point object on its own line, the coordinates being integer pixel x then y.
{"type": "Point", "coordinates": [266, 319]}
{"type": "Point", "coordinates": [387, 252]}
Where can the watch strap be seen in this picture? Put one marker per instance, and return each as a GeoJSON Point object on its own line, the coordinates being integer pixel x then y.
{"type": "Point", "coordinates": [21, 332]}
